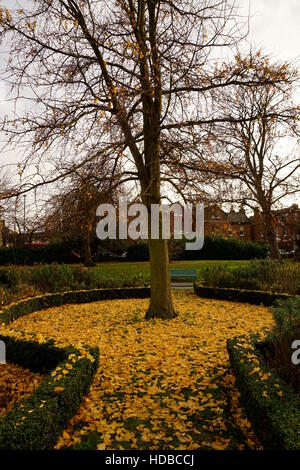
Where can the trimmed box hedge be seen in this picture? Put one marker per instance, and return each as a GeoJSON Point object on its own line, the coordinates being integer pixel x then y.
{"type": "Point", "coordinates": [37, 422]}
{"type": "Point", "coordinates": [239, 295]}
{"type": "Point", "coordinates": [271, 404]}
{"type": "Point", "coordinates": [15, 310]}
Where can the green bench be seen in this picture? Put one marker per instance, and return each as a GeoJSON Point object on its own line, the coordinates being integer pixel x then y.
{"type": "Point", "coordinates": [183, 274]}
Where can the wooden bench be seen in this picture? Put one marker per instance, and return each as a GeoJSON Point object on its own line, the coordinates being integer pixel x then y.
{"type": "Point", "coordinates": [183, 274]}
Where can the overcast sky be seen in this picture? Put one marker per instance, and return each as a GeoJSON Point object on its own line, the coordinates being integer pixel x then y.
{"type": "Point", "coordinates": [274, 27]}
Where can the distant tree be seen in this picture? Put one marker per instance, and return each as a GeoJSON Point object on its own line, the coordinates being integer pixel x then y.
{"type": "Point", "coordinates": [72, 212]}
{"type": "Point", "coordinates": [261, 155]}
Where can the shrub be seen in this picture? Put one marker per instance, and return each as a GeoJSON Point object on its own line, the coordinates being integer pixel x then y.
{"type": "Point", "coordinates": [138, 252]}
{"type": "Point", "coordinates": [24, 282]}
{"type": "Point", "coordinates": [286, 331]}
{"type": "Point", "coordinates": [255, 297]}
{"type": "Point", "coordinates": [271, 404]}
{"type": "Point", "coordinates": [37, 422]}
{"type": "Point", "coordinates": [220, 248]}
{"type": "Point", "coordinates": [264, 275]}
{"type": "Point", "coordinates": [53, 253]}
{"type": "Point", "coordinates": [9, 277]}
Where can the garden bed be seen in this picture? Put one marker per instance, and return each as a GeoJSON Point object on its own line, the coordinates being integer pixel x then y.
{"type": "Point", "coordinates": [41, 302]}
{"type": "Point", "coordinates": [160, 384]}
{"type": "Point", "coordinates": [36, 422]}
{"type": "Point", "coordinates": [16, 383]}
{"type": "Point", "coordinates": [271, 404]}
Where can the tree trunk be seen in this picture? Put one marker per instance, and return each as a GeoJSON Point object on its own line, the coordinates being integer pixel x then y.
{"type": "Point", "coordinates": [271, 236]}
{"type": "Point", "coordinates": [161, 303]}
{"type": "Point", "coordinates": [87, 252]}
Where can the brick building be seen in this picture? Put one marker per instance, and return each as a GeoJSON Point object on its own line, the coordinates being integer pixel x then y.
{"type": "Point", "coordinates": [251, 228]}
{"type": "Point", "coordinates": [232, 223]}
{"type": "Point", "coordinates": [287, 227]}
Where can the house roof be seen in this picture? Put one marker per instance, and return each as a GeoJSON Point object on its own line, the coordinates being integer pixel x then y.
{"type": "Point", "coordinates": [237, 217]}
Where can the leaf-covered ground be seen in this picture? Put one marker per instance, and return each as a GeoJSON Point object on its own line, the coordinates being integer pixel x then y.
{"type": "Point", "coordinates": [160, 384]}
{"type": "Point", "coordinates": [16, 383]}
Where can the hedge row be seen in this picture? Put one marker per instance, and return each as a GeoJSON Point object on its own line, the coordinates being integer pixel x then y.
{"type": "Point", "coordinates": [54, 253]}
{"type": "Point", "coordinates": [217, 247]}
{"type": "Point", "coordinates": [38, 357]}
{"type": "Point", "coordinates": [271, 404]}
{"type": "Point", "coordinates": [37, 422]}
{"type": "Point", "coordinates": [239, 295]}
{"type": "Point", "coordinates": [23, 307]}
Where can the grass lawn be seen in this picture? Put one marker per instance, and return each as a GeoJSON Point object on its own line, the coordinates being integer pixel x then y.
{"type": "Point", "coordinates": [160, 384]}
{"type": "Point", "coordinates": [129, 270]}
{"type": "Point", "coordinates": [18, 282]}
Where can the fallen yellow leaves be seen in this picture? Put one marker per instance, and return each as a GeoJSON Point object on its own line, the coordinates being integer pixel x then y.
{"type": "Point", "coordinates": [160, 384]}
{"type": "Point", "coordinates": [16, 383]}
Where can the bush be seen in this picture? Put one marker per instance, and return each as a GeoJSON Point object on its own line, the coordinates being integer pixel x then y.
{"type": "Point", "coordinates": [9, 277]}
{"type": "Point", "coordinates": [24, 282]}
{"type": "Point", "coordinates": [217, 247]}
{"type": "Point", "coordinates": [37, 422]}
{"type": "Point", "coordinates": [271, 404]}
{"type": "Point", "coordinates": [286, 331]}
{"type": "Point", "coordinates": [53, 253]}
{"type": "Point", "coordinates": [138, 252]}
{"type": "Point", "coordinates": [264, 275]}
{"type": "Point", "coordinates": [255, 297]}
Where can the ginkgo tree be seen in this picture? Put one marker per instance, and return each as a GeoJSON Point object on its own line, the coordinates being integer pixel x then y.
{"type": "Point", "coordinates": [126, 80]}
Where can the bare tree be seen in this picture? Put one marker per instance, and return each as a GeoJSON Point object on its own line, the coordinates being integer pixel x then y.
{"type": "Point", "coordinates": [73, 208]}
{"type": "Point", "coordinates": [261, 154]}
{"type": "Point", "coordinates": [128, 80]}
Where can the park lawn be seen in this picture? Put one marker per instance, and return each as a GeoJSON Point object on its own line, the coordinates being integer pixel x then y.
{"type": "Point", "coordinates": [131, 270]}
{"type": "Point", "coordinates": [42, 278]}
{"type": "Point", "coordinates": [118, 270]}
{"type": "Point", "coordinates": [160, 384]}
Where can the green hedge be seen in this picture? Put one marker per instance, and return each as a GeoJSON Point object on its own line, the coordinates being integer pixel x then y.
{"type": "Point", "coordinates": [138, 252]}
{"type": "Point", "coordinates": [53, 253]}
{"type": "Point", "coordinates": [271, 404]}
{"type": "Point", "coordinates": [264, 275]}
{"type": "Point", "coordinates": [37, 422]}
{"type": "Point", "coordinates": [217, 247]}
{"type": "Point", "coordinates": [23, 307]}
{"type": "Point", "coordinates": [33, 355]}
{"type": "Point", "coordinates": [239, 295]}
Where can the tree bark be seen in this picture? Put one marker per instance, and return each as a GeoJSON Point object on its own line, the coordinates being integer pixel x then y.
{"type": "Point", "coordinates": [87, 252]}
{"type": "Point", "coordinates": [161, 303]}
{"type": "Point", "coordinates": [271, 236]}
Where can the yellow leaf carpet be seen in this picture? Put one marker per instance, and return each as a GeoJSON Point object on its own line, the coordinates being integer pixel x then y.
{"type": "Point", "coordinates": [16, 383]}
{"type": "Point", "coordinates": [160, 384]}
